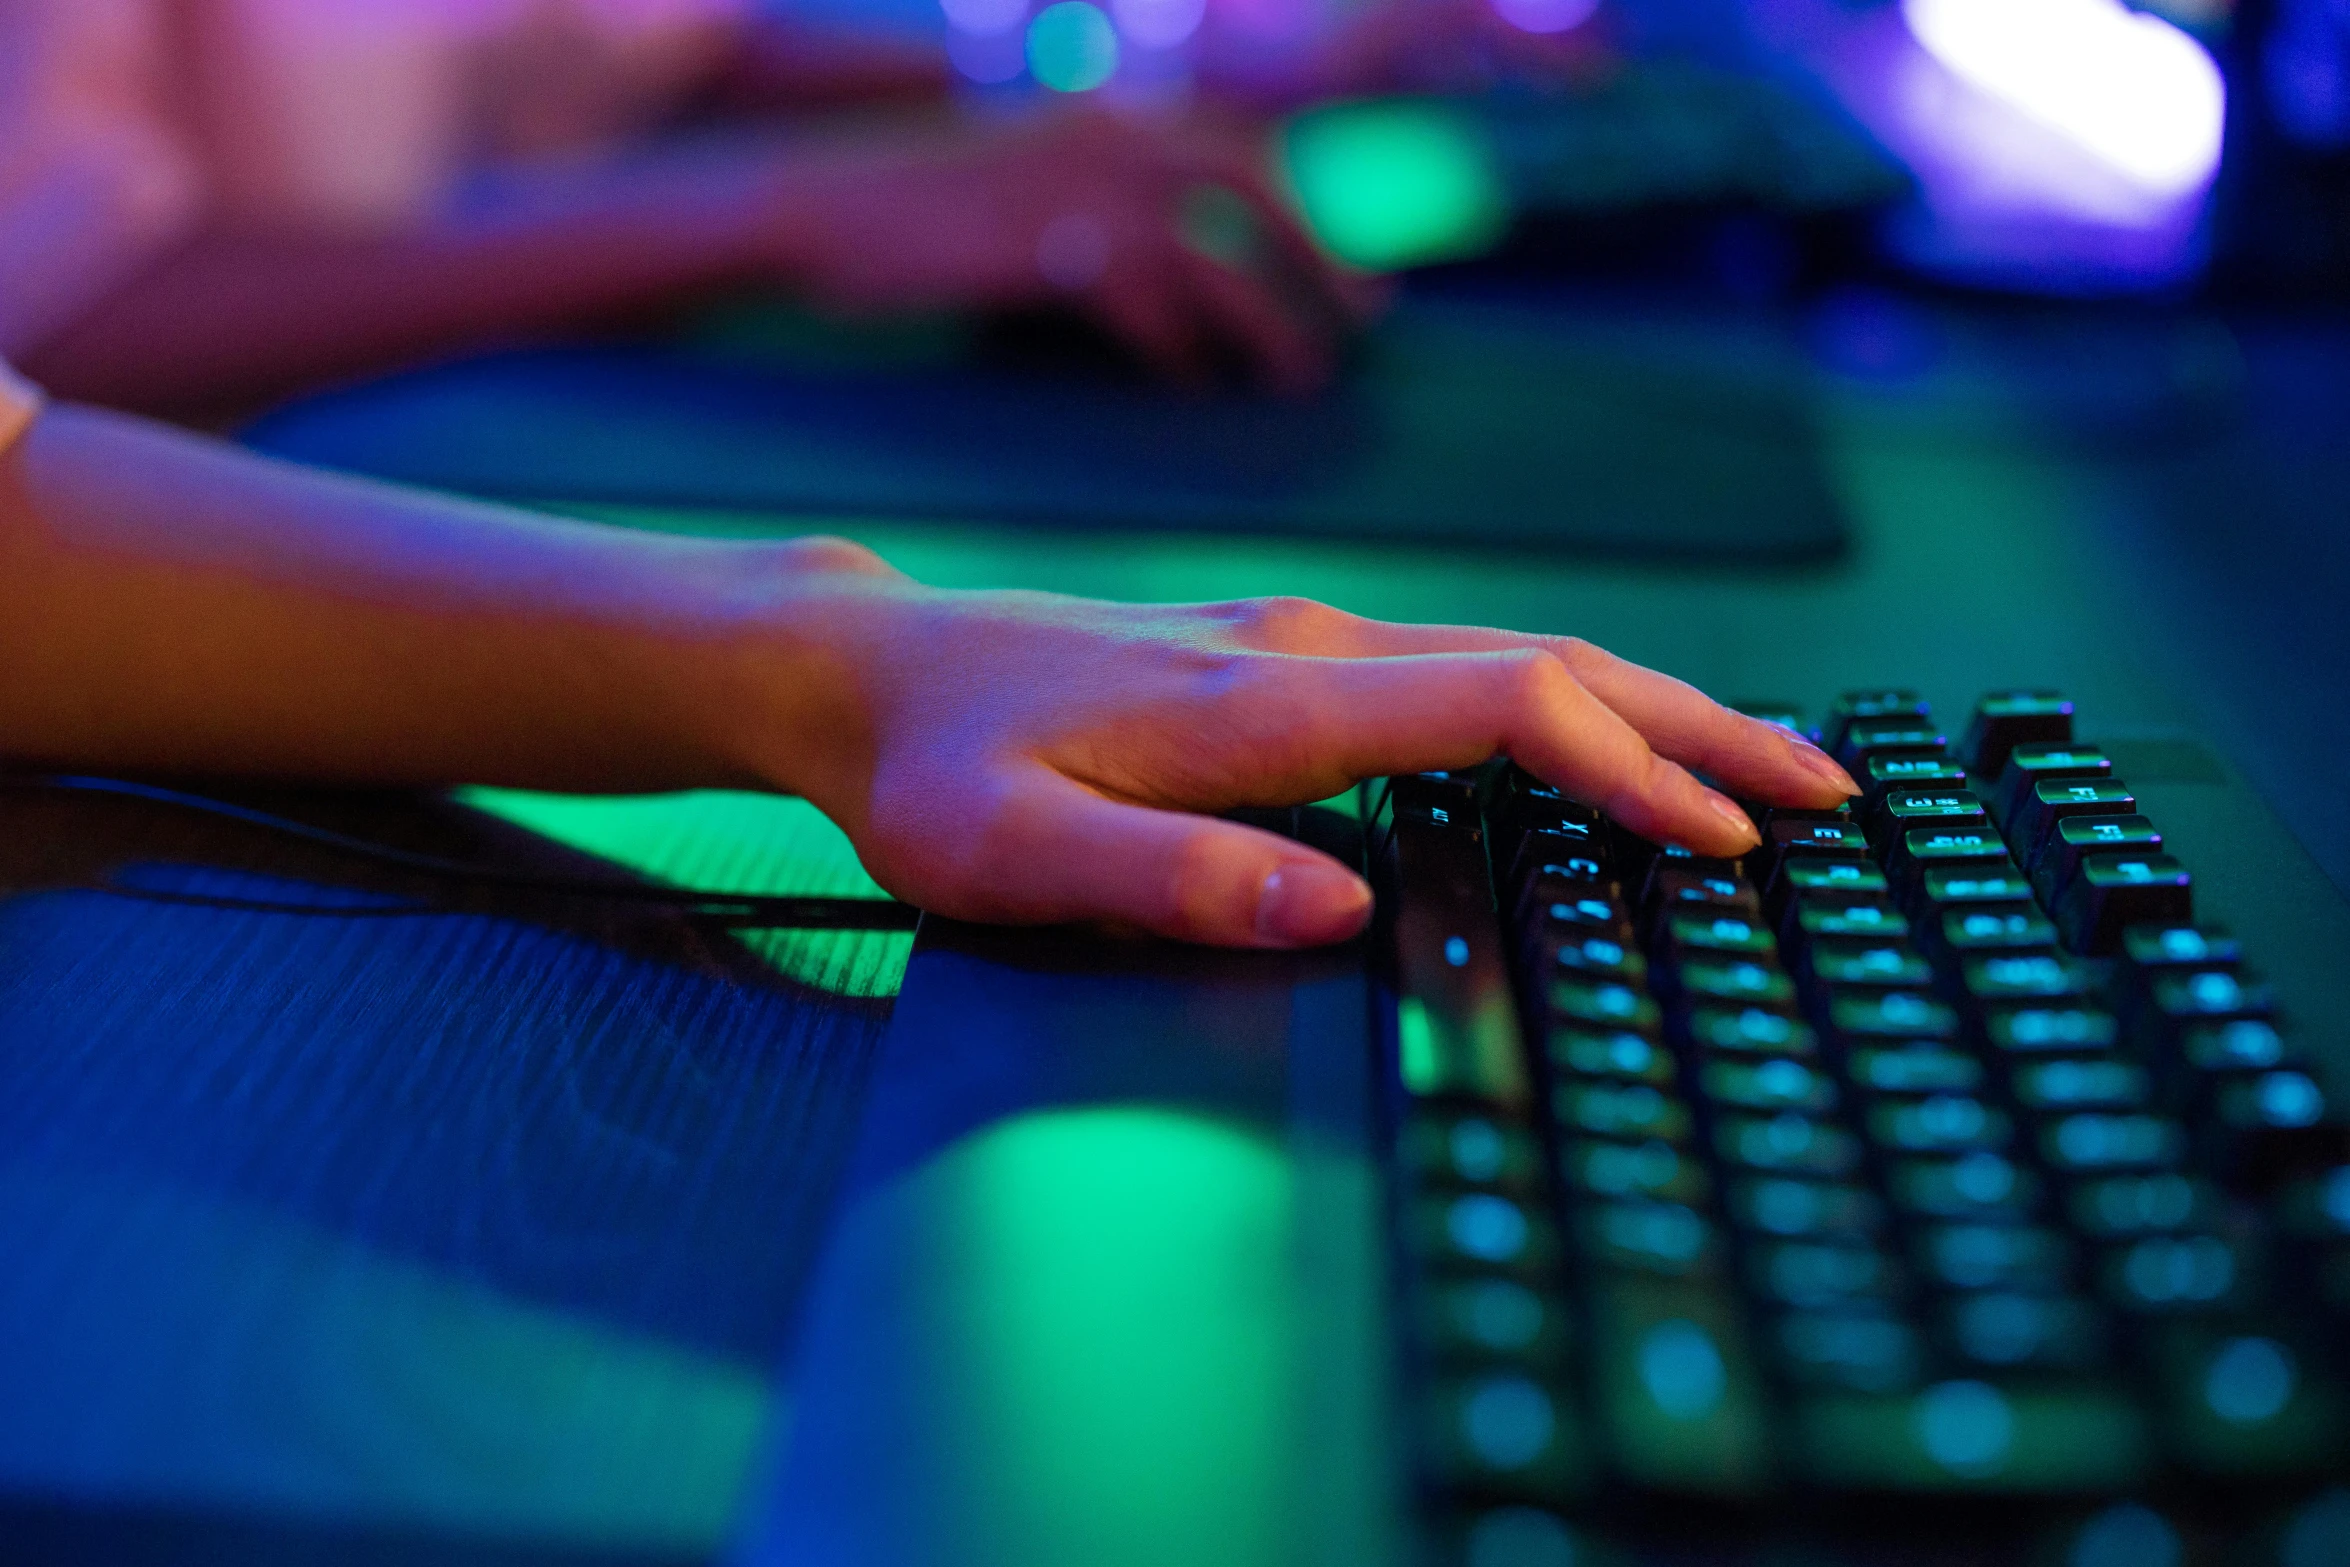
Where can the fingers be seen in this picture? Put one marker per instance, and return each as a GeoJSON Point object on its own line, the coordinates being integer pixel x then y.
{"type": "Point", "coordinates": [1758, 761]}
{"type": "Point", "coordinates": [1052, 851]}
{"type": "Point", "coordinates": [1368, 717]}
{"type": "Point", "coordinates": [1245, 314]}
{"type": "Point", "coordinates": [1145, 313]}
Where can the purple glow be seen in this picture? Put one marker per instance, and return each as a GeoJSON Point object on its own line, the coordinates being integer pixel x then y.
{"type": "Point", "coordinates": [1158, 24]}
{"type": "Point", "coordinates": [2131, 90]}
{"type": "Point", "coordinates": [2004, 198]}
{"type": "Point", "coordinates": [1545, 16]}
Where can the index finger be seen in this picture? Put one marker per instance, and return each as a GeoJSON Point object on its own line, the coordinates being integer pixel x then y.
{"type": "Point", "coordinates": [1753, 759]}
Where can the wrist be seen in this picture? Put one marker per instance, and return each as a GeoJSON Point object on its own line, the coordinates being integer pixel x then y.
{"type": "Point", "coordinates": [782, 695]}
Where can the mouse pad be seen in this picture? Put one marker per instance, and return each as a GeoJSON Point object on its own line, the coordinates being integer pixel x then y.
{"type": "Point", "coordinates": [1474, 423]}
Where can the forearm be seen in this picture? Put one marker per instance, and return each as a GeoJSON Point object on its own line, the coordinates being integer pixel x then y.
{"type": "Point", "coordinates": [244, 312]}
{"type": "Point", "coordinates": [170, 605]}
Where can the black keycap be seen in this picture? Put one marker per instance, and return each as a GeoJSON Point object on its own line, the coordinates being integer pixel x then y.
{"type": "Point", "coordinates": [1791, 1209]}
{"type": "Point", "coordinates": [2179, 946]}
{"type": "Point", "coordinates": [1871, 737]}
{"type": "Point", "coordinates": [1737, 982]}
{"type": "Point", "coordinates": [1971, 1186]}
{"type": "Point", "coordinates": [1603, 1004]}
{"type": "Point", "coordinates": [2179, 999]}
{"type": "Point", "coordinates": [1889, 771]}
{"type": "Point", "coordinates": [1699, 887]}
{"type": "Point", "coordinates": [2024, 980]}
{"type": "Point", "coordinates": [2052, 1031]}
{"type": "Point", "coordinates": [1521, 800]}
{"type": "Point", "coordinates": [1476, 1230]}
{"type": "Point", "coordinates": [1566, 855]}
{"type": "Point", "coordinates": [1560, 910]}
{"type": "Point", "coordinates": [1834, 916]}
{"type": "Point", "coordinates": [1779, 1083]}
{"type": "Point", "coordinates": [1863, 1018]}
{"type": "Point", "coordinates": [1786, 1144]}
{"type": "Point", "coordinates": [1809, 883]}
{"type": "Point", "coordinates": [1474, 1320]}
{"type": "Point", "coordinates": [1653, 1169]}
{"type": "Point", "coordinates": [1877, 706]}
{"type": "Point", "coordinates": [1458, 1026]}
{"type": "Point", "coordinates": [1996, 932]}
{"type": "Point", "coordinates": [1903, 809]}
{"type": "Point", "coordinates": [2029, 764]}
{"type": "Point", "coordinates": [2052, 799]}
{"type": "Point", "coordinates": [2052, 1332]}
{"type": "Point", "coordinates": [1939, 1123]}
{"type": "Point", "coordinates": [1944, 892]}
{"type": "Point", "coordinates": [2053, 1086]}
{"type": "Point", "coordinates": [1913, 1070]}
{"type": "Point", "coordinates": [2112, 892]}
{"type": "Point", "coordinates": [1813, 833]}
{"type": "Point", "coordinates": [1813, 1274]}
{"type": "Point", "coordinates": [1447, 799]}
{"type": "Point", "coordinates": [2006, 719]}
{"type": "Point", "coordinates": [1993, 1256]}
{"type": "Point", "coordinates": [1868, 1351]}
{"type": "Point", "coordinates": [1751, 1031]}
{"type": "Point", "coordinates": [1628, 1110]}
{"type": "Point", "coordinates": [2165, 1274]}
{"type": "Point", "coordinates": [1922, 849]}
{"type": "Point", "coordinates": [2250, 1398]}
{"type": "Point", "coordinates": [2098, 1142]}
{"type": "Point", "coordinates": [1895, 965]}
{"type": "Point", "coordinates": [1472, 1150]}
{"type": "Point", "coordinates": [1621, 1054]}
{"type": "Point", "coordinates": [2075, 838]}
{"type": "Point", "coordinates": [1666, 1238]}
{"type": "Point", "coordinates": [2125, 1205]}
{"type": "Point", "coordinates": [1502, 1433]}
{"type": "Point", "coordinates": [1729, 934]}
{"type": "Point", "coordinates": [1597, 957]}
{"type": "Point", "coordinates": [2247, 1046]}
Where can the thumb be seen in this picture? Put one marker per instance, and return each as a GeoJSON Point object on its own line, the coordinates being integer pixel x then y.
{"type": "Point", "coordinates": [1055, 851]}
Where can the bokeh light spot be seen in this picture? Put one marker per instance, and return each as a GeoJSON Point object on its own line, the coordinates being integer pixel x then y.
{"type": "Point", "coordinates": [2127, 1535]}
{"type": "Point", "coordinates": [2250, 1380]}
{"type": "Point", "coordinates": [2131, 90]}
{"type": "Point", "coordinates": [1508, 1421]}
{"type": "Point", "coordinates": [1072, 47]}
{"type": "Point", "coordinates": [1966, 1427]}
{"type": "Point", "coordinates": [1681, 1369]}
{"type": "Point", "coordinates": [1545, 16]}
{"type": "Point", "coordinates": [1158, 24]}
{"type": "Point", "coordinates": [1396, 184]}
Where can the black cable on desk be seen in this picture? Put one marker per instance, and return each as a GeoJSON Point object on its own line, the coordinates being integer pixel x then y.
{"type": "Point", "coordinates": [750, 910]}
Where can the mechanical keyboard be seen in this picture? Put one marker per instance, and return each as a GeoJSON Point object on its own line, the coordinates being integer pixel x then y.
{"type": "Point", "coordinates": [1935, 1151]}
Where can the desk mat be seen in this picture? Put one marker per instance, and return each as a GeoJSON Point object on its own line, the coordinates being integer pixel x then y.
{"type": "Point", "coordinates": [1469, 422]}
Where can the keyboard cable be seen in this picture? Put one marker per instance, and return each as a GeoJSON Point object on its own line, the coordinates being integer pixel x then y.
{"type": "Point", "coordinates": [765, 911]}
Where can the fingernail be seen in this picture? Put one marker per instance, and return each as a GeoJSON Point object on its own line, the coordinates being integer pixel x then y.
{"type": "Point", "coordinates": [1734, 817]}
{"type": "Point", "coordinates": [1305, 903]}
{"type": "Point", "coordinates": [1820, 765]}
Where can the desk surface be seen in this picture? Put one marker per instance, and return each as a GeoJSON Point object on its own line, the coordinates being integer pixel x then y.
{"type": "Point", "coordinates": [328, 1236]}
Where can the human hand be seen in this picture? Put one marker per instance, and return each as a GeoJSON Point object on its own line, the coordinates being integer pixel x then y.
{"type": "Point", "coordinates": [1031, 758]}
{"type": "Point", "coordinates": [1084, 210]}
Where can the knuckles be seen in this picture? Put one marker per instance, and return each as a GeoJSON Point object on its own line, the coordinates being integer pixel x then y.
{"type": "Point", "coordinates": [827, 552]}
{"type": "Point", "coordinates": [1286, 623]}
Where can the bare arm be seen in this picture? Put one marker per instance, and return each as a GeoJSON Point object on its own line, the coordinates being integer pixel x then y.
{"type": "Point", "coordinates": [170, 604]}
{"type": "Point", "coordinates": [925, 216]}
{"type": "Point", "coordinates": [238, 313]}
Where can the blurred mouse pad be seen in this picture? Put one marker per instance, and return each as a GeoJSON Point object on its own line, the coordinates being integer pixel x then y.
{"type": "Point", "coordinates": [1470, 423]}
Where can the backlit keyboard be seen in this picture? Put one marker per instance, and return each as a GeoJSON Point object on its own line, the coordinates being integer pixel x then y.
{"type": "Point", "coordinates": [1934, 1149]}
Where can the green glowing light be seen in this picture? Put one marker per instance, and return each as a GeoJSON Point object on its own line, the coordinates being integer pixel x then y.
{"type": "Point", "coordinates": [1072, 47]}
{"type": "Point", "coordinates": [1396, 183]}
{"type": "Point", "coordinates": [728, 842]}
{"type": "Point", "coordinates": [1125, 1274]}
